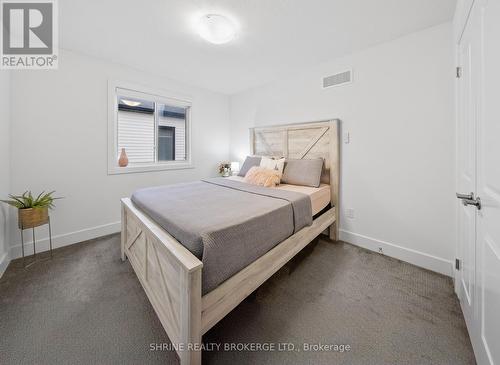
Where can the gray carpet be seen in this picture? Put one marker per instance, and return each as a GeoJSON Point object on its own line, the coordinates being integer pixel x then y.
{"type": "Point", "coordinates": [87, 307]}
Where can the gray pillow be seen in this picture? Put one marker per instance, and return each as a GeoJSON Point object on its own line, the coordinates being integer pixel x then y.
{"type": "Point", "coordinates": [303, 172]}
{"type": "Point", "coordinates": [250, 162]}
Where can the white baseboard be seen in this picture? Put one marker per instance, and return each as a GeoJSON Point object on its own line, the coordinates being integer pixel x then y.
{"type": "Point", "coordinates": [65, 239]}
{"type": "Point", "coordinates": [414, 257]}
{"type": "Point", "coordinates": [4, 262]}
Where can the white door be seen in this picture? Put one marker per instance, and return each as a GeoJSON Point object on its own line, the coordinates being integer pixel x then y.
{"type": "Point", "coordinates": [469, 57]}
{"type": "Point", "coordinates": [488, 188]}
{"type": "Point", "coordinates": [478, 164]}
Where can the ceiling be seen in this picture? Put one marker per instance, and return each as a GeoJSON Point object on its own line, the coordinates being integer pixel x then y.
{"type": "Point", "coordinates": [275, 37]}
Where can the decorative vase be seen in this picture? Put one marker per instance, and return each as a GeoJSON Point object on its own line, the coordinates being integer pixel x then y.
{"type": "Point", "coordinates": [227, 172]}
{"type": "Point", "coordinates": [123, 160]}
{"type": "Point", "coordinates": [32, 217]}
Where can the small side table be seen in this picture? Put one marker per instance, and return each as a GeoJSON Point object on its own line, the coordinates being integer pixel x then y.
{"type": "Point", "coordinates": [33, 224]}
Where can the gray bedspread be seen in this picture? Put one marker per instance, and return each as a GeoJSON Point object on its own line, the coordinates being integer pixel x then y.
{"type": "Point", "coordinates": [225, 223]}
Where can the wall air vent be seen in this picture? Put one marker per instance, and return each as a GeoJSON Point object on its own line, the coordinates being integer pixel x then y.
{"type": "Point", "coordinates": [341, 78]}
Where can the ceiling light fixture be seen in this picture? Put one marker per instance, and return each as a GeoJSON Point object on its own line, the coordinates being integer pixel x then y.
{"type": "Point", "coordinates": [216, 28]}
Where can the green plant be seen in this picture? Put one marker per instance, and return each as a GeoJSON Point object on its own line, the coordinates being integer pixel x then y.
{"type": "Point", "coordinates": [26, 200]}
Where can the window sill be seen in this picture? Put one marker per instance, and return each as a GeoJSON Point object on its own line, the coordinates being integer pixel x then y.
{"type": "Point", "coordinates": [132, 169]}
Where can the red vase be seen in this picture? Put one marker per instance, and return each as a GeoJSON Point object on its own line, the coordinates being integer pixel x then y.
{"type": "Point", "coordinates": [123, 160]}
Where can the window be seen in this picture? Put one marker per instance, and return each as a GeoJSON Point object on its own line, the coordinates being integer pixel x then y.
{"type": "Point", "coordinates": [152, 129]}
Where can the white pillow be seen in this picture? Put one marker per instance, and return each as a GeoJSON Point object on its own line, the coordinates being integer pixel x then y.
{"type": "Point", "coordinates": [271, 164]}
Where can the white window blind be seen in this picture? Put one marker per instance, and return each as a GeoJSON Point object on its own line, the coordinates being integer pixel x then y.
{"type": "Point", "coordinates": [136, 133]}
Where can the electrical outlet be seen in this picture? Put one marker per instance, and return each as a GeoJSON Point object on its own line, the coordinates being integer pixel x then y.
{"type": "Point", "coordinates": [349, 213]}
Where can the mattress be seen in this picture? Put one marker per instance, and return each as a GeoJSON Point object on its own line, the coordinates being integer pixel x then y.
{"type": "Point", "coordinates": [320, 197]}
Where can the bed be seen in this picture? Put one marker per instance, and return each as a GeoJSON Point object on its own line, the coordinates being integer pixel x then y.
{"type": "Point", "coordinates": [191, 293]}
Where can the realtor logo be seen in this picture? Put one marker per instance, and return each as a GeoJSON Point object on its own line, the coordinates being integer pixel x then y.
{"type": "Point", "coordinates": [29, 34]}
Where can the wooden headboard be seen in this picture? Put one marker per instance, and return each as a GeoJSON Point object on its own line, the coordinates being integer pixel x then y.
{"type": "Point", "coordinates": [305, 140]}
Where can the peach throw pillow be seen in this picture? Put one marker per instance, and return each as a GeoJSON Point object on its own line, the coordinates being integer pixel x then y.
{"type": "Point", "coordinates": [264, 177]}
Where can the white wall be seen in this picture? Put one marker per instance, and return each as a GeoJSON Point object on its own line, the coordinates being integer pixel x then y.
{"type": "Point", "coordinates": [59, 129]}
{"type": "Point", "coordinates": [398, 170]}
{"type": "Point", "coordinates": [4, 165]}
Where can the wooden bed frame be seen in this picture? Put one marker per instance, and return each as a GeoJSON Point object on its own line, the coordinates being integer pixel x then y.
{"type": "Point", "coordinates": [171, 275]}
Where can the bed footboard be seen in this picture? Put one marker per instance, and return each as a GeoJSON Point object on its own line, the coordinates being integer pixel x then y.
{"type": "Point", "coordinates": [170, 276]}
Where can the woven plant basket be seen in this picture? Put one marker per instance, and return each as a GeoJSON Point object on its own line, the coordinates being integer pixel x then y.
{"type": "Point", "coordinates": [32, 217]}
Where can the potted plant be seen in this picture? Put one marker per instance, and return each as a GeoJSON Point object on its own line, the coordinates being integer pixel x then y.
{"type": "Point", "coordinates": [32, 212]}
{"type": "Point", "coordinates": [225, 169]}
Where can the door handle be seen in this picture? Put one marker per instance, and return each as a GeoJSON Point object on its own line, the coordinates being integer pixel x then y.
{"type": "Point", "coordinates": [476, 202]}
{"type": "Point", "coordinates": [465, 196]}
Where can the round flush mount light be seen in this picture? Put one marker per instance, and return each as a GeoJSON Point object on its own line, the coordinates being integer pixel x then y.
{"type": "Point", "coordinates": [216, 29]}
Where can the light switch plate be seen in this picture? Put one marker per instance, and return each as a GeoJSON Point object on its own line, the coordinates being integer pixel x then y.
{"type": "Point", "coordinates": [347, 137]}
